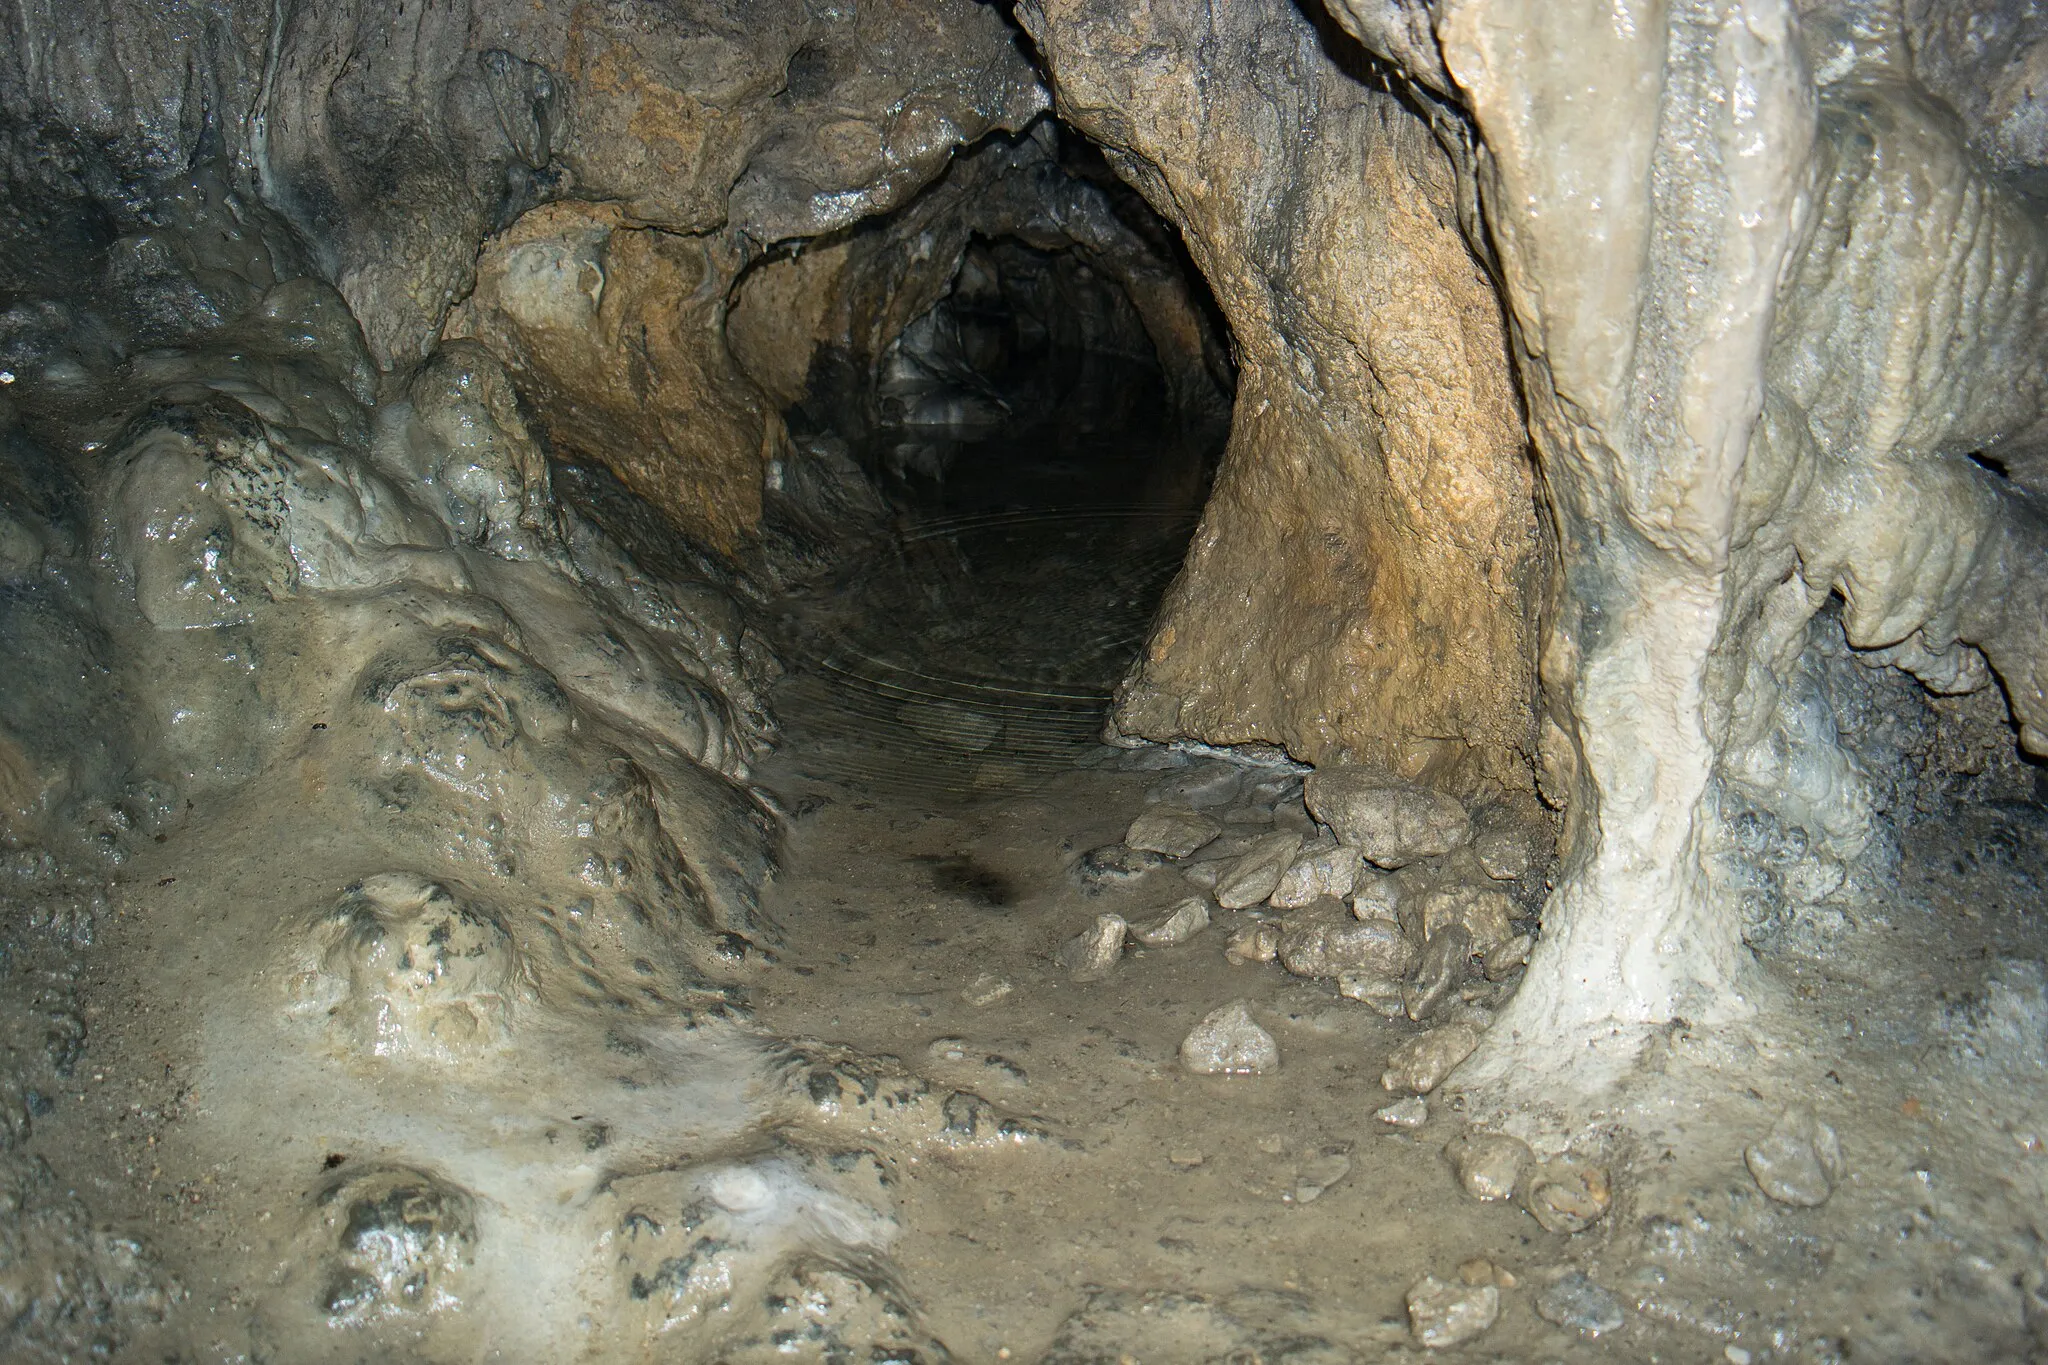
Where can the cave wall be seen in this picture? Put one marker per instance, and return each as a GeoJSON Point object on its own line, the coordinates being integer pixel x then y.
{"type": "Point", "coordinates": [1366, 581]}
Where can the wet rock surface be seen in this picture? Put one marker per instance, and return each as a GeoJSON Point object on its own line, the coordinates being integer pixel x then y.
{"type": "Point", "coordinates": [1229, 1042]}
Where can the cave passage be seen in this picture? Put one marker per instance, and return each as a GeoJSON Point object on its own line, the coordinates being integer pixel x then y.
{"type": "Point", "coordinates": [1039, 480]}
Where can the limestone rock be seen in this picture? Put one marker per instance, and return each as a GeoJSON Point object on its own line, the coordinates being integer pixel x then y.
{"type": "Point", "coordinates": [1174, 831]}
{"type": "Point", "coordinates": [1375, 990]}
{"type": "Point", "coordinates": [1507, 956]}
{"type": "Point", "coordinates": [1257, 942]}
{"type": "Point", "coordinates": [1205, 874]}
{"type": "Point", "coordinates": [1444, 1314]}
{"type": "Point", "coordinates": [1229, 1042]}
{"type": "Point", "coordinates": [1576, 1302]}
{"type": "Point", "coordinates": [1114, 865]}
{"type": "Point", "coordinates": [1325, 941]}
{"type": "Point", "coordinates": [1420, 1064]}
{"type": "Point", "coordinates": [1391, 822]}
{"type": "Point", "coordinates": [1800, 1163]}
{"type": "Point", "coordinates": [1376, 896]}
{"type": "Point", "coordinates": [1253, 877]}
{"type": "Point", "coordinates": [1095, 952]}
{"type": "Point", "coordinates": [1443, 967]}
{"type": "Point", "coordinates": [1186, 920]}
{"type": "Point", "coordinates": [1412, 1112]}
{"type": "Point", "coordinates": [1567, 1195]}
{"type": "Point", "coordinates": [1484, 914]}
{"type": "Point", "coordinates": [1331, 870]}
{"type": "Point", "coordinates": [1505, 854]}
{"type": "Point", "coordinates": [1489, 1165]}
{"type": "Point", "coordinates": [1211, 782]}
{"type": "Point", "coordinates": [1320, 1174]}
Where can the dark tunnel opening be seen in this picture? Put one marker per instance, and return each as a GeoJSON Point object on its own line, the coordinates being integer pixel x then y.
{"type": "Point", "coordinates": [1033, 384]}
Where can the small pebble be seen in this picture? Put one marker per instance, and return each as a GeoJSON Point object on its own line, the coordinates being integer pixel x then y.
{"type": "Point", "coordinates": [1441, 1314]}
{"type": "Point", "coordinates": [1376, 990]}
{"type": "Point", "coordinates": [1253, 943]}
{"type": "Point", "coordinates": [1229, 1043]}
{"type": "Point", "coordinates": [1800, 1163]}
{"type": "Point", "coordinates": [1578, 1303]}
{"type": "Point", "coordinates": [1567, 1196]}
{"type": "Point", "coordinates": [1094, 953]}
{"type": "Point", "coordinates": [1319, 1175]}
{"type": "Point", "coordinates": [1420, 1064]}
{"type": "Point", "coordinates": [1184, 1157]}
{"type": "Point", "coordinates": [1489, 1165]}
{"type": "Point", "coordinates": [1412, 1112]}
{"type": "Point", "coordinates": [1189, 918]}
{"type": "Point", "coordinates": [1735, 1355]}
{"type": "Point", "coordinates": [1476, 1271]}
{"type": "Point", "coordinates": [985, 989]}
{"type": "Point", "coordinates": [1174, 831]}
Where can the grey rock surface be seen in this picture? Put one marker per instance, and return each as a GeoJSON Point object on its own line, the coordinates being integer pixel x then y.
{"type": "Point", "coordinates": [1229, 1042]}
{"type": "Point", "coordinates": [1174, 831]}
{"type": "Point", "coordinates": [1390, 822]}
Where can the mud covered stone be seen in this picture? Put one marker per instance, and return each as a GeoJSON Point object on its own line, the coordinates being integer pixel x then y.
{"type": "Point", "coordinates": [1485, 915]}
{"type": "Point", "coordinates": [1567, 1195]}
{"type": "Point", "coordinates": [397, 1241]}
{"type": "Point", "coordinates": [1576, 1302]}
{"type": "Point", "coordinates": [1174, 831]}
{"type": "Point", "coordinates": [1114, 865]}
{"type": "Point", "coordinates": [1228, 1042]}
{"type": "Point", "coordinates": [1375, 990]}
{"type": "Point", "coordinates": [1327, 869]}
{"type": "Point", "coordinates": [1447, 1313]}
{"type": "Point", "coordinates": [1256, 874]}
{"type": "Point", "coordinates": [1800, 1163]}
{"type": "Point", "coordinates": [1443, 966]}
{"type": "Point", "coordinates": [1258, 942]}
{"type": "Point", "coordinates": [1186, 920]}
{"type": "Point", "coordinates": [1202, 785]}
{"type": "Point", "coordinates": [1412, 1112]}
{"type": "Point", "coordinates": [1325, 941]}
{"type": "Point", "coordinates": [1391, 822]}
{"type": "Point", "coordinates": [1419, 1065]}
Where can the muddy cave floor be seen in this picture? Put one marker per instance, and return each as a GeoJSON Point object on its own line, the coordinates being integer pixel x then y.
{"type": "Point", "coordinates": [934, 810]}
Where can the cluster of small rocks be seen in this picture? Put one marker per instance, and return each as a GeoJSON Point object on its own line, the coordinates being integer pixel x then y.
{"type": "Point", "coordinates": [1392, 890]}
{"type": "Point", "coordinates": [1451, 1312]}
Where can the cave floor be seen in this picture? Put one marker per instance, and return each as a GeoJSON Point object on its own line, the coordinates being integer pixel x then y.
{"type": "Point", "coordinates": [936, 800]}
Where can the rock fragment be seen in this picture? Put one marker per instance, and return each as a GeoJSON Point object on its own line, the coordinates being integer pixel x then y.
{"type": "Point", "coordinates": [1445, 1314]}
{"type": "Point", "coordinates": [1489, 1165]}
{"type": "Point", "coordinates": [1095, 952]}
{"type": "Point", "coordinates": [1412, 1112]}
{"type": "Point", "coordinates": [1393, 823]}
{"type": "Point", "coordinates": [1318, 871]}
{"type": "Point", "coordinates": [985, 989]}
{"type": "Point", "coordinates": [1228, 1042]}
{"type": "Point", "coordinates": [1485, 915]}
{"type": "Point", "coordinates": [1375, 990]}
{"type": "Point", "coordinates": [1319, 1175]}
{"type": "Point", "coordinates": [1419, 1065]}
{"type": "Point", "coordinates": [1259, 942]}
{"type": "Point", "coordinates": [1800, 1163]}
{"type": "Point", "coordinates": [1508, 956]}
{"type": "Point", "coordinates": [1568, 1195]}
{"type": "Point", "coordinates": [1376, 896]}
{"type": "Point", "coordinates": [1576, 1302]}
{"type": "Point", "coordinates": [1174, 831]}
{"type": "Point", "coordinates": [1114, 865]}
{"type": "Point", "coordinates": [1445, 960]}
{"type": "Point", "coordinates": [1325, 941]}
{"type": "Point", "coordinates": [1187, 919]}
{"type": "Point", "coordinates": [1505, 854]}
{"type": "Point", "coordinates": [1256, 874]}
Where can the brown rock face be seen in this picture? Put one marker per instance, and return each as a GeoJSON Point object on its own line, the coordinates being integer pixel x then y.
{"type": "Point", "coordinates": [613, 334]}
{"type": "Point", "coordinates": [1363, 583]}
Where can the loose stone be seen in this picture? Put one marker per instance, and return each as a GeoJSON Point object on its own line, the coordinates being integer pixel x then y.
{"type": "Point", "coordinates": [1185, 1157]}
{"type": "Point", "coordinates": [1578, 1303]}
{"type": "Point", "coordinates": [1441, 1314]}
{"type": "Point", "coordinates": [1330, 870]}
{"type": "Point", "coordinates": [1476, 1271]}
{"type": "Point", "coordinates": [1203, 875]}
{"type": "Point", "coordinates": [1393, 823]}
{"type": "Point", "coordinates": [1800, 1163]}
{"type": "Point", "coordinates": [1482, 912]}
{"type": "Point", "coordinates": [1174, 831]}
{"type": "Point", "coordinates": [1419, 1065]}
{"type": "Point", "coordinates": [1376, 990]}
{"type": "Point", "coordinates": [1489, 1165]}
{"type": "Point", "coordinates": [1444, 963]}
{"type": "Point", "coordinates": [1189, 918]}
{"type": "Point", "coordinates": [985, 989]}
{"type": "Point", "coordinates": [1376, 896]}
{"type": "Point", "coordinates": [1508, 956]}
{"type": "Point", "coordinates": [1324, 941]}
{"type": "Point", "coordinates": [1094, 953]}
{"type": "Point", "coordinates": [1253, 877]}
{"type": "Point", "coordinates": [1229, 1042]}
{"type": "Point", "coordinates": [1412, 1112]}
{"type": "Point", "coordinates": [1253, 943]}
{"type": "Point", "coordinates": [1319, 1175]}
{"type": "Point", "coordinates": [1505, 854]}
{"type": "Point", "coordinates": [1201, 785]}
{"type": "Point", "coordinates": [1567, 1196]}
